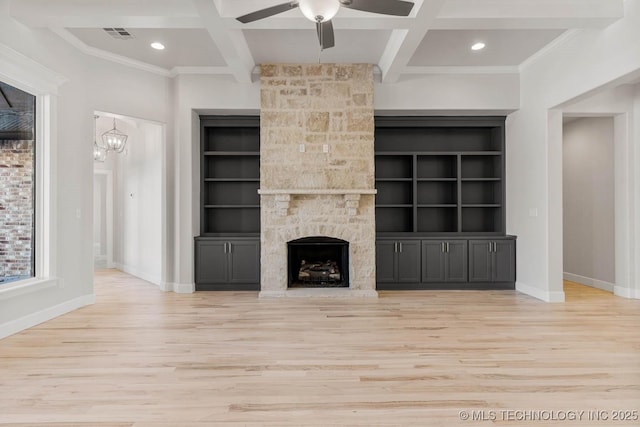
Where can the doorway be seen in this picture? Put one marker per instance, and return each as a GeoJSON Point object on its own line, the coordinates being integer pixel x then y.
{"type": "Point", "coordinates": [588, 204]}
{"type": "Point", "coordinates": [129, 202]}
{"type": "Point", "coordinates": [102, 219]}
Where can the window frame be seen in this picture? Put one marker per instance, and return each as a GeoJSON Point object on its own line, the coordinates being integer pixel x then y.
{"type": "Point", "coordinates": [30, 76]}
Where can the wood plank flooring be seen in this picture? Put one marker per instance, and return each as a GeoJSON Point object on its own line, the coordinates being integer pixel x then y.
{"type": "Point", "coordinates": [143, 358]}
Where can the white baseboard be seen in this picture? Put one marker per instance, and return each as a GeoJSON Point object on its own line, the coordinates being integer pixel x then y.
{"type": "Point", "coordinates": [33, 319]}
{"type": "Point", "coordinates": [626, 292]}
{"type": "Point", "coordinates": [540, 293]}
{"type": "Point", "coordinates": [588, 281]}
{"type": "Point", "coordinates": [184, 288]}
{"type": "Point", "coordinates": [151, 278]}
{"type": "Point", "coordinates": [179, 288]}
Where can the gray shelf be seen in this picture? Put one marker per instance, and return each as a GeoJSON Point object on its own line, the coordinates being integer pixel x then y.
{"type": "Point", "coordinates": [440, 175]}
{"type": "Point", "coordinates": [230, 175]}
{"type": "Point", "coordinates": [231, 153]}
{"type": "Point", "coordinates": [231, 179]}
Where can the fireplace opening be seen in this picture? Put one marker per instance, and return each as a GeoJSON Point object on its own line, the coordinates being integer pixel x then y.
{"type": "Point", "coordinates": [318, 262]}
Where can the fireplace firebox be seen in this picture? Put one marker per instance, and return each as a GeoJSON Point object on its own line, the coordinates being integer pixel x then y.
{"type": "Point", "coordinates": [318, 262]}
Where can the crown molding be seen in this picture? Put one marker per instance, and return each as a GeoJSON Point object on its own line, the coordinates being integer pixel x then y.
{"type": "Point", "coordinates": [175, 71]}
{"type": "Point", "coordinates": [25, 73]}
{"type": "Point", "coordinates": [108, 56]}
{"type": "Point", "coordinates": [462, 70]}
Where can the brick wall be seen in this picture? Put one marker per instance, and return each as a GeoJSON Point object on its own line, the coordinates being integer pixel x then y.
{"type": "Point", "coordinates": [16, 208]}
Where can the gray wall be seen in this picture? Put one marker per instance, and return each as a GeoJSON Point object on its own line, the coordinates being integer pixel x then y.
{"type": "Point", "coordinates": [588, 200]}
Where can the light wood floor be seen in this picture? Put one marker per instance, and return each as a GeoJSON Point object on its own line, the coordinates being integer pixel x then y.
{"type": "Point", "coordinates": [143, 358]}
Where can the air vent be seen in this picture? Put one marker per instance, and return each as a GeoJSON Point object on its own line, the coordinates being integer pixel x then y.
{"type": "Point", "coordinates": [119, 33]}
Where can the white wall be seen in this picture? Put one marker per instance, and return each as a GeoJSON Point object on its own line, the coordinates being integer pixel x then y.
{"type": "Point", "coordinates": [103, 201]}
{"type": "Point", "coordinates": [586, 61]}
{"type": "Point", "coordinates": [138, 231]}
{"type": "Point", "coordinates": [481, 94]}
{"type": "Point", "coordinates": [100, 234]}
{"type": "Point", "coordinates": [91, 84]}
{"type": "Point", "coordinates": [588, 202]}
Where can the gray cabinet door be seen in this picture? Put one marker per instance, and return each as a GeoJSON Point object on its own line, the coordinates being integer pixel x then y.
{"type": "Point", "coordinates": [211, 261]}
{"type": "Point", "coordinates": [456, 261]}
{"type": "Point", "coordinates": [433, 261]}
{"type": "Point", "coordinates": [444, 261]}
{"type": "Point", "coordinates": [480, 261]}
{"type": "Point", "coordinates": [244, 261]}
{"type": "Point", "coordinates": [408, 261]}
{"type": "Point", "coordinates": [504, 261]}
{"type": "Point", "coordinates": [386, 261]}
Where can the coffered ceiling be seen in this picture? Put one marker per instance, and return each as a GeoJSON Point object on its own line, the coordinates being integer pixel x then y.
{"type": "Point", "coordinates": [203, 36]}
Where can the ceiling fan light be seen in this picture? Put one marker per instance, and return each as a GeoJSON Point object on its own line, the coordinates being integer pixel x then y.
{"type": "Point", "coordinates": [319, 10]}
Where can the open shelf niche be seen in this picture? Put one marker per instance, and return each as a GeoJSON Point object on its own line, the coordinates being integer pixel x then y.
{"type": "Point", "coordinates": [230, 171]}
{"type": "Point", "coordinates": [440, 175]}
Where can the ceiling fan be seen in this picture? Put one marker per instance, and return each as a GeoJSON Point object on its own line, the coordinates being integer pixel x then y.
{"type": "Point", "coordinates": [321, 12]}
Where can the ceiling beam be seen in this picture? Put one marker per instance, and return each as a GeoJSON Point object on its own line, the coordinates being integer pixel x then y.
{"type": "Point", "coordinates": [301, 23]}
{"type": "Point", "coordinates": [403, 43]}
{"type": "Point", "coordinates": [231, 43]}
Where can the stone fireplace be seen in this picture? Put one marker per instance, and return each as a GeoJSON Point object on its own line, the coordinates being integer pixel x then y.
{"type": "Point", "coordinates": [317, 171]}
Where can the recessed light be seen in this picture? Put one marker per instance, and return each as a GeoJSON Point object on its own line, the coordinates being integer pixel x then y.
{"type": "Point", "coordinates": [157, 45]}
{"type": "Point", "coordinates": [478, 46]}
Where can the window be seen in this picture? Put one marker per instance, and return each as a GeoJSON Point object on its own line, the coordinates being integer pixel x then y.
{"type": "Point", "coordinates": [17, 184]}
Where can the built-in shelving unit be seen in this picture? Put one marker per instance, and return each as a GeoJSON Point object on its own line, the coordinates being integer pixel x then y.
{"type": "Point", "coordinates": [227, 252]}
{"type": "Point", "coordinates": [440, 175]}
{"type": "Point", "coordinates": [440, 214]}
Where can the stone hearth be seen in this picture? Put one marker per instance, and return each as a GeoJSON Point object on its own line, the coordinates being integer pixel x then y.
{"type": "Point", "coordinates": [317, 169]}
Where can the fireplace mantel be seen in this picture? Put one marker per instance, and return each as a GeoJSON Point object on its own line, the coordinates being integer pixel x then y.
{"type": "Point", "coordinates": [351, 196]}
{"type": "Point", "coordinates": [318, 191]}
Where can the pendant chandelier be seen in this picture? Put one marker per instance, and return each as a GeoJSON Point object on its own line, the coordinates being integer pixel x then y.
{"type": "Point", "coordinates": [114, 140]}
{"type": "Point", "coordinates": [99, 150]}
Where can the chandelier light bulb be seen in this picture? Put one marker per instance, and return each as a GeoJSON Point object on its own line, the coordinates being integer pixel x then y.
{"type": "Point", "coordinates": [99, 150]}
{"type": "Point", "coordinates": [319, 10]}
{"type": "Point", "coordinates": [114, 140]}
{"type": "Point", "coordinates": [99, 153]}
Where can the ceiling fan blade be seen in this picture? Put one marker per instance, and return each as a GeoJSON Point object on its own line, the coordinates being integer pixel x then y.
{"type": "Point", "coordinates": [267, 12]}
{"type": "Point", "coordinates": [325, 34]}
{"type": "Point", "coordinates": [385, 7]}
